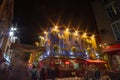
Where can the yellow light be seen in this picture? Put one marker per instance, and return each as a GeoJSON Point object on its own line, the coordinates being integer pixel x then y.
{"type": "Point", "coordinates": [100, 45]}
{"type": "Point", "coordinates": [67, 29]}
{"type": "Point", "coordinates": [84, 35]}
{"type": "Point", "coordinates": [37, 44]}
{"type": "Point", "coordinates": [93, 41]}
{"type": "Point", "coordinates": [39, 37]}
{"type": "Point", "coordinates": [56, 27]}
{"type": "Point", "coordinates": [76, 32]}
{"type": "Point", "coordinates": [93, 36]}
{"type": "Point", "coordinates": [105, 44]}
{"type": "Point", "coordinates": [45, 32]}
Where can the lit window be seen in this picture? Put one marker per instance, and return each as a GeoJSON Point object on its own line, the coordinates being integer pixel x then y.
{"type": "Point", "coordinates": [116, 30]}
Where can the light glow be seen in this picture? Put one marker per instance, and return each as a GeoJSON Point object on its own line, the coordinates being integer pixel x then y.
{"type": "Point", "coordinates": [56, 27]}
{"type": "Point", "coordinates": [67, 29]}
{"type": "Point", "coordinates": [93, 36]}
{"type": "Point", "coordinates": [45, 32]}
{"type": "Point", "coordinates": [67, 62]}
{"type": "Point", "coordinates": [13, 29]}
{"type": "Point", "coordinates": [11, 33]}
{"type": "Point", "coordinates": [85, 35]}
{"type": "Point", "coordinates": [76, 33]}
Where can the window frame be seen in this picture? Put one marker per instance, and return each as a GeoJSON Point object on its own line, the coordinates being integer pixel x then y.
{"type": "Point", "coordinates": [117, 36]}
{"type": "Point", "coordinates": [114, 9]}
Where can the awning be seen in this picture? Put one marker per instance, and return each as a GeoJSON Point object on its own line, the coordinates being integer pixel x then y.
{"type": "Point", "coordinates": [95, 61]}
{"type": "Point", "coordinates": [112, 48]}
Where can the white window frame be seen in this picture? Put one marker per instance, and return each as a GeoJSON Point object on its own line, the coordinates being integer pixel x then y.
{"type": "Point", "coordinates": [114, 10]}
{"type": "Point", "coordinates": [117, 36]}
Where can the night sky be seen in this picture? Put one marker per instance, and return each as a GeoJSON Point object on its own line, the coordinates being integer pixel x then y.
{"type": "Point", "coordinates": [33, 15]}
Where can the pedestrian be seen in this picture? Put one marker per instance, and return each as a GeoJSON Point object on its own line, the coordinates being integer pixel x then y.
{"type": "Point", "coordinates": [33, 73]}
{"type": "Point", "coordinates": [53, 73]}
{"type": "Point", "coordinates": [42, 74]}
{"type": "Point", "coordinates": [89, 75]}
{"type": "Point", "coordinates": [28, 74]}
{"type": "Point", "coordinates": [48, 73]}
{"type": "Point", "coordinates": [97, 74]}
{"type": "Point", "coordinates": [105, 76]}
{"type": "Point", "coordinates": [56, 72]}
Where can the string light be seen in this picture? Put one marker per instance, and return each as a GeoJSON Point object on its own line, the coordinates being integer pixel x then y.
{"type": "Point", "coordinates": [68, 36]}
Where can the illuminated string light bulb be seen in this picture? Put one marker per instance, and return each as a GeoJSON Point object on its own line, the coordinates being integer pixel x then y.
{"type": "Point", "coordinates": [56, 27]}
{"type": "Point", "coordinates": [67, 29]}
{"type": "Point", "coordinates": [45, 32]}
{"type": "Point", "coordinates": [93, 36]}
{"type": "Point", "coordinates": [85, 35]}
{"type": "Point", "coordinates": [76, 33]}
{"type": "Point", "coordinates": [100, 45]}
{"type": "Point", "coordinates": [37, 44]}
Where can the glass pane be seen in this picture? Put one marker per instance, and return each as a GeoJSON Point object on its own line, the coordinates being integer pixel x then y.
{"type": "Point", "coordinates": [116, 28]}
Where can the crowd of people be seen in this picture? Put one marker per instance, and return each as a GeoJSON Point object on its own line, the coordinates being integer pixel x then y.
{"type": "Point", "coordinates": [96, 74]}
{"type": "Point", "coordinates": [23, 72]}
{"type": "Point", "coordinates": [51, 74]}
{"type": "Point", "coordinates": [43, 73]}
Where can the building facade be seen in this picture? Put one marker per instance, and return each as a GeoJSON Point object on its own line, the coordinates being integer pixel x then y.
{"type": "Point", "coordinates": [68, 43]}
{"type": "Point", "coordinates": [6, 17]}
{"type": "Point", "coordinates": [107, 14]}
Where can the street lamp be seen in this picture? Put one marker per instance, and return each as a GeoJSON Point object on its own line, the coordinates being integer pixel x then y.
{"type": "Point", "coordinates": [13, 29]}
{"type": "Point", "coordinates": [12, 34]}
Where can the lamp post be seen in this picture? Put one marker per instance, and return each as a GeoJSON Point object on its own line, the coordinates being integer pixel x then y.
{"type": "Point", "coordinates": [12, 35]}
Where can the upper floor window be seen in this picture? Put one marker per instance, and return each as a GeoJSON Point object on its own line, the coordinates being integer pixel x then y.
{"type": "Point", "coordinates": [112, 10]}
{"type": "Point", "coordinates": [116, 30]}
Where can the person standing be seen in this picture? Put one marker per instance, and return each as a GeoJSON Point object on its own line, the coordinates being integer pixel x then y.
{"type": "Point", "coordinates": [33, 73]}
{"type": "Point", "coordinates": [42, 74]}
{"type": "Point", "coordinates": [97, 74]}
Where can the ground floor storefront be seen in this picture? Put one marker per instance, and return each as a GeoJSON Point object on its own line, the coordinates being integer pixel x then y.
{"type": "Point", "coordinates": [112, 55]}
{"type": "Point", "coordinates": [71, 67]}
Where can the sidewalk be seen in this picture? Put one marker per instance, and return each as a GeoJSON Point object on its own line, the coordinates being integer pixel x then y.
{"type": "Point", "coordinates": [69, 78]}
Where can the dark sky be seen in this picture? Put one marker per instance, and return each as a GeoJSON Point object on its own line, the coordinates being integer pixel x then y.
{"type": "Point", "coordinates": [32, 15]}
